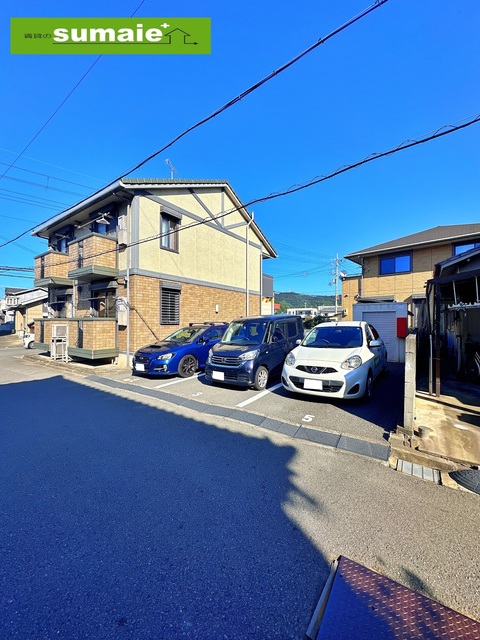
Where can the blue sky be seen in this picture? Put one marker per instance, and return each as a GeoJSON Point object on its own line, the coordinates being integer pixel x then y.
{"type": "Point", "coordinates": [401, 72]}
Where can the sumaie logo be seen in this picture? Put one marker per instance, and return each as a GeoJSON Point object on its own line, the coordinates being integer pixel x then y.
{"type": "Point", "coordinates": [110, 35]}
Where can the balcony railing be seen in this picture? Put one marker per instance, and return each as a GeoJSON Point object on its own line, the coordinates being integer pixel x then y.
{"type": "Point", "coordinates": [93, 257]}
{"type": "Point", "coordinates": [51, 270]}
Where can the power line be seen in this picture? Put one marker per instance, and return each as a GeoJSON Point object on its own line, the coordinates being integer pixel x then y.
{"type": "Point", "coordinates": [49, 177]}
{"type": "Point", "coordinates": [50, 164]}
{"type": "Point", "coordinates": [44, 186]}
{"type": "Point", "coordinates": [3, 268]}
{"type": "Point", "coordinates": [442, 131]}
{"type": "Point", "coordinates": [59, 107]}
{"type": "Point", "coordinates": [21, 246]}
{"type": "Point", "coordinates": [260, 83]}
{"type": "Point", "coordinates": [226, 106]}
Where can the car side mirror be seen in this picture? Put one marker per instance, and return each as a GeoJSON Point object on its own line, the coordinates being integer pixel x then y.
{"type": "Point", "coordinates": [375, 343]}
{"type": "Point", "coordinates": [298, 342]}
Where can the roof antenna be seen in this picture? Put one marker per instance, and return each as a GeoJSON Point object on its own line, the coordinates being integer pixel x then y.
{"type": "Point", "coordinates": [172, 170]}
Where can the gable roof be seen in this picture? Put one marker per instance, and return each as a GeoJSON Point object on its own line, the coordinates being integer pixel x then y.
{"type": "Point", "coordinates": [436, 235]}
{"type": "Point", "coordinates": [128, 187]}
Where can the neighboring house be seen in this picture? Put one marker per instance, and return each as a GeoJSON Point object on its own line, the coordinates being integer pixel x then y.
{"type": "Point", "coordinates": [392, 285]}
{"type": "Point", "coordinates": [6, 313]}
{"type": "Point", "coordinates": [140, 258]}
{"type": "Point", "coordinates": [330, 312]}
{"type": "Point", "coordinates": [304, 312]}
{"type": "Point", "coordinates": [26, 305]}
{"type": "Point", "coordinates": [268, 298]}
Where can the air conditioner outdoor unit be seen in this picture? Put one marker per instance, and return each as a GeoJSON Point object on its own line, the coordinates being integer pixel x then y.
{"type": "Point", "coordinates": [59, 331]}
{"type": "Point", "coordinates": [122, 236]}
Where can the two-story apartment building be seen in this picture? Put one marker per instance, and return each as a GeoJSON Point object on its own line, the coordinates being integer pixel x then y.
{"type": "Point", "coordinates": [393, 277]}
{"type": "Point", "coordinates": [138, 259]}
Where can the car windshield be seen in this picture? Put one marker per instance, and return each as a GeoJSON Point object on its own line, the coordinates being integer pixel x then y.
{"type": "Point", "coordinates": [187, 334]}
{"type": "Point", "coordinates": [337, 337]}
{"type": "Point", "coordinates": [245, 332]}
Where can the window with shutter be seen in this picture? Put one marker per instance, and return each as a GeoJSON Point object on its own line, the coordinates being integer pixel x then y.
{"type": "Point", "coordinates": [169, 306]}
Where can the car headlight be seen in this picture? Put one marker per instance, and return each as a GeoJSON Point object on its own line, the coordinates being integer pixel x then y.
{"type": "Point", "coordinates": [352, 363]}
{"type": "Point", "coordinates": [249, 355]}
{"type": "Point", "coordinates": [210, 354]}
{"type": "Point", "coordinates": [165, 356]}
{"type": "Point", "coordinates": [290, 359]}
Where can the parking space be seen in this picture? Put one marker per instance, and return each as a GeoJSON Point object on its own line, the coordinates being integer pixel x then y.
{"type": "Point", "coordinates": [371, 422]}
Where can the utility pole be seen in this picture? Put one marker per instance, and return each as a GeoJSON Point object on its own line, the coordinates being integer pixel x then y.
{"type": "Point", "coordinates": [335, 264]}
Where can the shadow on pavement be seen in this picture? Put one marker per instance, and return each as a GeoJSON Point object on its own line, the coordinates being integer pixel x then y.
{"type": "Point", "coordinates": [124, 520]}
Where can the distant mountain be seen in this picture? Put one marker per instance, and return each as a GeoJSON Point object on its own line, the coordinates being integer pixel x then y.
{"type": "Point", "coordinates": [297, 300]}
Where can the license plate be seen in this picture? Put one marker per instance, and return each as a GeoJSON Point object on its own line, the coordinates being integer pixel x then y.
{"type": "Point", "coordinates": [218, 375]}
{"type": "Point", "coordinates": [139, 367]}
{"type": "Point", "coordinates": [316, 385]}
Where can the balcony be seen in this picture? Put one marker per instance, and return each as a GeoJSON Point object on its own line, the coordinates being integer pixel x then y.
{"type": "Point", "coordinates": [51, 270]}
{"type": "Point", "coordinates": [86, 338]}
{"type": "Point", "coordinates": [93, 258]}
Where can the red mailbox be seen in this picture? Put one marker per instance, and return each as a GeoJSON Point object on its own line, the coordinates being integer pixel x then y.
{"type": "Point", "coordinates": [402, 329]}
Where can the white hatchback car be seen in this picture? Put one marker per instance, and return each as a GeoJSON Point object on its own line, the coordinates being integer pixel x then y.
{"type": "Point", "coordinates": [336, 360]}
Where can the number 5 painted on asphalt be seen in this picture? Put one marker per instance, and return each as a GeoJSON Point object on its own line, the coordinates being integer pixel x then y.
{"type": "Point", "coordinates": [307, 418]}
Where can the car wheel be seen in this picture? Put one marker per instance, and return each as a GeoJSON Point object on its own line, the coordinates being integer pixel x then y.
{"type": "Point", "coordinates": [187, 366]}
{"type": "Point", "coordinates": [368, 395]}
{"type": "Point", "coordinates": [30, 345]}
{"type": "Point", "coordinates": [261, 378]}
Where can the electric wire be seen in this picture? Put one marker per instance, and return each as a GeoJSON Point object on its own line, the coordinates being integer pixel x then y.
{"type": "Point", "coordinates": [70, 93]}
{"type": "Point", "coordinates": [261, 82]}
{"type": "Point", "coordinates": [408, 144]}
{"type": "Point", "coordinates": [49, 177]}
{"type": "Point", "coordinates": [228, 105]}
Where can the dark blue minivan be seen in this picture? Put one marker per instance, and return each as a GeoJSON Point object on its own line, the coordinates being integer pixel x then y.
{"type": "Point", "coordinates": [253, 349]}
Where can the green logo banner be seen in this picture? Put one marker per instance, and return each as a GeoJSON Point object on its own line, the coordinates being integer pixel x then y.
{"type": "Point", "coordinates": [110, 35]}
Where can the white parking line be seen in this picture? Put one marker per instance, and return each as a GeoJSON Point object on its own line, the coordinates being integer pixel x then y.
{"type": "Point", "coordinates": [259, 395]}
{"type": "Point", "coordinates": [167, 384]}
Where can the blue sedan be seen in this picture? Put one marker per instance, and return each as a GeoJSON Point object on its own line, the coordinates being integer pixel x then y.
{"type": "Point", "coordinates": [183, 352]}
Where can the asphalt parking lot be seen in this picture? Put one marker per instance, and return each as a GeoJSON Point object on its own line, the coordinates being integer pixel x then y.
{"type": "Point", "coordinates": [370, 422]}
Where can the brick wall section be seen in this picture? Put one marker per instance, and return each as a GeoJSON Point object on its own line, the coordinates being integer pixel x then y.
{"type": "Point", "coordinates": [350, 289]}
{"type": "Point", "coordinates": [197, 304]}
{"type": "Point", "coordinates": [97, 334]}
{"type": "Point", "coordinates": [56, 265]}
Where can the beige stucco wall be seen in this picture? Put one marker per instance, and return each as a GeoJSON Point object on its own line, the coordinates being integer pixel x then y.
{"type": "Point", "coordinates": [205, 253]}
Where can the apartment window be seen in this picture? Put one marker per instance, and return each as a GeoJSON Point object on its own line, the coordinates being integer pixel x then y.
{"type": "Point", "coordinates": [465, 246]}
{"type": "Point", "coordinates": [80, 255]}
{"type": "Point", "coordinates": [169, 232]}
{"type": "Point", "coordinates": [170, 304]}
{"type": "Point", "coordinates": [103, 303]}
{"type": "Point", "coordinates": [396, 263]}
{"type": "Point", "coordinates": [106, 225]}
{"type": "Point", "coordinates": [61, 245]}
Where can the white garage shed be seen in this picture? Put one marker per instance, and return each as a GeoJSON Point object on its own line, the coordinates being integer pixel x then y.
{"type": "Point", "coordinates": [390, 320]}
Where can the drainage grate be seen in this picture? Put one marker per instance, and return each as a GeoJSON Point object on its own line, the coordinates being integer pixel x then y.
{"type": "Point", "coordinates": [418, 471]}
